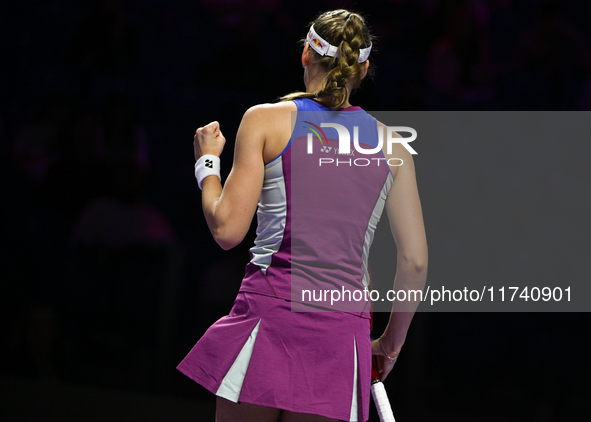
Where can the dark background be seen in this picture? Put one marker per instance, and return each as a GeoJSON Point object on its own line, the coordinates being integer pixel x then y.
{"type": "Point", "coordinates": [109, 273]}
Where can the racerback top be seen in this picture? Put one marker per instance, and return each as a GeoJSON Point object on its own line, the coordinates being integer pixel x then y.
{"type": "Point", "coordinates": [317, 212]}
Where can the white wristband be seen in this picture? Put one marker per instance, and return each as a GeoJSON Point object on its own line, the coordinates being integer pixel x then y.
{"type": "Point", "coordinates": [207, 165]}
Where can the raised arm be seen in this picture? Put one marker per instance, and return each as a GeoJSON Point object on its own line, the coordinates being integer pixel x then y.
{"type": "Point", "coordinates": [229, 210]}
{"type": "Point", "coordinates": [406, 223]}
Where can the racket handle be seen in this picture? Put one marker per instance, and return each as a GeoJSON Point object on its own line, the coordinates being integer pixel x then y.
{"type": "Point", "coordinates": [380, 397]}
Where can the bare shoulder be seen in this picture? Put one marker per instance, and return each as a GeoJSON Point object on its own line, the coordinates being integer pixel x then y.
{"type": "Point", "coordinates": [265, 119]}
{"type": "Point", "coordinates": [397, 151]}
{"type": "Point", "coordinates": [382, 128]}
{"type": "Point", "coordinates": [274, 122]}
{"type": "Point", "coordinates": [270, 110]}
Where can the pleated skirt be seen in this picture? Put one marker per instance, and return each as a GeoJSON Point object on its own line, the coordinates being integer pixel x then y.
{"type": "Point", "coordinates": [265, 354]}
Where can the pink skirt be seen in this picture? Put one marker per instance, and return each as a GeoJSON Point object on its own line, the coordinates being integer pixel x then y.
{"type": "Point", "coordinates": [307, 362]}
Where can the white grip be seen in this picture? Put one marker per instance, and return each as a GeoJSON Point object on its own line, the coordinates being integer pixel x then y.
{"type": "Point", "coordinates": [380, 398]}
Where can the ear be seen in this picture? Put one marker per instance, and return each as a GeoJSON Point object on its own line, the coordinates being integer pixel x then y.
{"type": "Point", "coordinates": [306, 55]}
{"type": "Point", "coordinates": [364, 68]}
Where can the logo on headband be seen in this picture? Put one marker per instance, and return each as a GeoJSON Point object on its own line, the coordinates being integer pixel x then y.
{"type": "Point", "coordinates": [316, 41]}
{"type": "Point", "coordinates": [324, 48]}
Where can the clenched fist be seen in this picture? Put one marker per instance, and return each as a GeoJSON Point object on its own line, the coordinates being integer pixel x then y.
{"type": "Point", "coordinates": [208, 140]}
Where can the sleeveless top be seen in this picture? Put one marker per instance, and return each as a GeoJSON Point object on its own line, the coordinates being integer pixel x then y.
{"type": "Point", "coordinates": [317, 213]}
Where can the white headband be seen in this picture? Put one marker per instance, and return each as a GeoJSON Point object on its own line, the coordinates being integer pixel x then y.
{"type": "Point", "coordinates": [323, 48]}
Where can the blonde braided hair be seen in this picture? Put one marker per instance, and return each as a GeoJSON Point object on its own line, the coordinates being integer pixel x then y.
{"type": "Point", "coordinates": [349, 33]}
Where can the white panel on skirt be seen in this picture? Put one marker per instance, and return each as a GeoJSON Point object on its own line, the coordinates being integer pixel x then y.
{"type": "Point", "coordinates": [232, 383]}
{"type": "Point", "coordinates": [353, 417]}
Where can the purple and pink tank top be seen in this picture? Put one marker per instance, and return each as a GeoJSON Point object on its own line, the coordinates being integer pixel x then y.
{"type": "Point", "coordinates": [317, 213]}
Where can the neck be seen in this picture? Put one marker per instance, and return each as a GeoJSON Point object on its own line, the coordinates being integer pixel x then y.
{"type": "Point", "coordinates": [313, 80]}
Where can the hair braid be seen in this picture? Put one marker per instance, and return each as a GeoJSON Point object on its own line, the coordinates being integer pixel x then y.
{"type": "Point", "coordinates": [345, 68]}
{"type": "Point", "coordinates": [349, 33]}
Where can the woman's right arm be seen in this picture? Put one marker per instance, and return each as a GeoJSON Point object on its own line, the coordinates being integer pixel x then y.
{"type": "Point", "coordinates": [229, 209]}
{"type": "Point", "coordinates": [406, 223]}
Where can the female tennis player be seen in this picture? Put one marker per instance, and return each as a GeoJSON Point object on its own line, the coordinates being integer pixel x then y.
{"type": "Point", "coordinates": [317, 208]}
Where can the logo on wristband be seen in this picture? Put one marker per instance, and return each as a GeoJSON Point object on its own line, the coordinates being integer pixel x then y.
{"type": "Point", "coordinates": [208, 163]}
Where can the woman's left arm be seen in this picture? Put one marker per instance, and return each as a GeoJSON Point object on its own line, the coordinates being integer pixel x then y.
{"type": "Point", "coordinates": [229, 210]}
